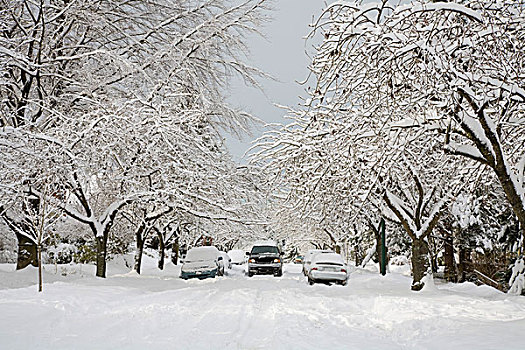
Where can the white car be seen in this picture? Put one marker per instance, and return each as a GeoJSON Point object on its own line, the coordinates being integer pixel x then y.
{"type": "Point", "coordinates": [309, 256]}
{"type": "Point", "coordinates": [328, 267]}
{"type": "Point", "coordinates": [238, 257]}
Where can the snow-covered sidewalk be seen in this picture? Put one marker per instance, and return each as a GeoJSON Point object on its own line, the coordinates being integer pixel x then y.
{"type": "Point", "coordinates": [157, 310]}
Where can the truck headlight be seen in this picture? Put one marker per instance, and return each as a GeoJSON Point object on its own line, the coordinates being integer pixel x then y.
{"type": "Point", "coordinates": [276, 260]}
{"type": "Point", "coordinates": [251, 260]}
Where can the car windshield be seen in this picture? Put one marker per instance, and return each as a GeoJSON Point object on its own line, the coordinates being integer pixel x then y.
{"type": "Point", "coordinates": [201, 254]}
{"type": "Point", "coordinates": [265, 249]}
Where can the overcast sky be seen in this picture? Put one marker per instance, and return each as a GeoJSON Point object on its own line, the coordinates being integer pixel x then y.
{"type": "Point", "coordinates": [282, 55]}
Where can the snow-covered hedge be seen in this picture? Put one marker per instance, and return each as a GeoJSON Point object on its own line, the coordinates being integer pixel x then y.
{"type": "Point", "coordinates": [63, 253]}
{"type": "Point", "coordinates": [399, 260]}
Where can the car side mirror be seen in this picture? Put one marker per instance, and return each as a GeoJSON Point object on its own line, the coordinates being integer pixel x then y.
{"type": "Point", "coordinates": [247, 253]}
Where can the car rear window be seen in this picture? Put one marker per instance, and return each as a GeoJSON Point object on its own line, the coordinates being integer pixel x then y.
{"type": "Point", "coordinates": [328, 259]}
{"type": "Point", "coordinates": [328, 263]}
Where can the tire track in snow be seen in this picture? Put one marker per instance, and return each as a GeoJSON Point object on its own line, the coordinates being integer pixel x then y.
{"type": "Point", "coordinates": [246, 321]}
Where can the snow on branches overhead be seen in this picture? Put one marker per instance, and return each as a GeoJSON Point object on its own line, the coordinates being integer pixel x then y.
{"type": "Point", "coordinates": [453, 68]}
{"type": "Point", "coordinates": [126, 100]}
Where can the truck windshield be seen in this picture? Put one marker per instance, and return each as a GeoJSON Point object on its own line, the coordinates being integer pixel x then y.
{"type": "Point", "coordinates": [265, 249]}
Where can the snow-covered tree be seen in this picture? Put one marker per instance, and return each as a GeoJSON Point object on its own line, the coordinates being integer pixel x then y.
{"type": "Point", "coordinates": [397, 82]}
{"type": "Point", "coordinates": [130, 90]}
{"type": "Point", "coordinates": [32, 215]}
{"type": "Point", "coordinates": [342, 170]}
{"type": "Point", "coordinates": [452, 68]}
{"type": "Point", "coordinates": [26, 160]}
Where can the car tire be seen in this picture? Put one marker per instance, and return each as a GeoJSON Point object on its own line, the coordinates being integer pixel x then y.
{"type": "Point", "coordinates": [311, 281]}
{"type": "Point", "coordinates": [279, 273]}
{"type": "Point", "coordinates": [250, 274]}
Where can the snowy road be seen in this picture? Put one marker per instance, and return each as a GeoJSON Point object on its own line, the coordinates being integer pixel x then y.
{"type": "Point", "coordinates": [160, 311]}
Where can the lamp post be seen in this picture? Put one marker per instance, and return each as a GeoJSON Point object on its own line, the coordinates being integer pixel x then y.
{"type": "Point", "coordinates": [381, 228]}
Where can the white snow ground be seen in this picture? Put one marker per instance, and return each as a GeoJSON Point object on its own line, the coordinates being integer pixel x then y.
{"type": "Point", "coordinates": [158, 310]}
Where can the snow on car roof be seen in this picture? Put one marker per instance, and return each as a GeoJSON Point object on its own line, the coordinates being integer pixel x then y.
{"type": "Point", "coordinates": [316, 251]}
{"type": "Point", "coordinates": [202, 253]}
{"type": "Point", "coordinates": [269, 243]}
{"type": "Point", "coordinates": [312, 252]}
{"type": "Point", "coordinates": [332, 258]}
{"type": "Point", "coordinates": [236, 251]}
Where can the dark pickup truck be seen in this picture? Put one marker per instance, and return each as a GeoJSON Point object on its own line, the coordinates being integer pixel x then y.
{"type": "Point", "coordinates": [265, 258]}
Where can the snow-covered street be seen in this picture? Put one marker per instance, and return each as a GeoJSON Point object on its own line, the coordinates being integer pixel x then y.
{"type": "Point", "coordinates": [158, 310]}
{"type": "Point", "coordinates": [147, 145]}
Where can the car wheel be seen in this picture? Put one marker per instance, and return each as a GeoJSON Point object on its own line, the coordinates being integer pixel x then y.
{"type": "Point", "coordinates": [250, 274]}
{"type": "Point", "coordinates": [343, 283]}
{"type": "Point", "coordinates": [310, 281]}
{"type": "Point", "coordinates": [279, 273]}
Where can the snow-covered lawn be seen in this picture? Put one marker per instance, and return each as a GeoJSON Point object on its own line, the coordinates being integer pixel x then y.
{"type": "Point", "coordinates": [158, 310]}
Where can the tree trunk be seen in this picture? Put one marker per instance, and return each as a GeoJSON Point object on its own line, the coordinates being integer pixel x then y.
{"type": "Point", "coordinates": [511, 193]}
{"type": "Point", "coordinates": [432, 254]}
{"type": "Point", "coordinates": [101, 255]}
{"type": "Point", "coordinates": [419, 263]}
{"type": "Point", "coordinates": [358, 258]}
{"type": "Point", "coordinates": [175, 252]}
{"type": "Point", "coordinates": [450, 266]}
{"type": "Point", "coordinates": [138, 253]}
{"type": "Point", "coordinates": [27, 253]}
{"type": "Point", "coordinates": [161, 253]}
{"type": "Point", "coordinates": [27, 249]}
{"type": "Point", "coordinates": [39, 268]}
{"type": "Point", "coordinates": [464, 265]}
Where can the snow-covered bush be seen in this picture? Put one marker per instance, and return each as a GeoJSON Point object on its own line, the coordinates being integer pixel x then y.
{"type": "Point", "coordinates": [86, 253]}
{"type": "Point", "coordinates": [7, 256]}
{"type": "Point", "coordinates": [399, 260]}
{"type": "Point", "coordinates": [7, 245]}
{"type": "Point", "coordinates": [517, 280]}
{"type": "Point", "coordinates": [63, 253]}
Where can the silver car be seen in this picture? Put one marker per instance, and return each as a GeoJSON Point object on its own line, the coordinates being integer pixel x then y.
{"type": "Point", "coordinates": [202, 262]}
{"type": "Point", "coordinates": [328, 267]}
